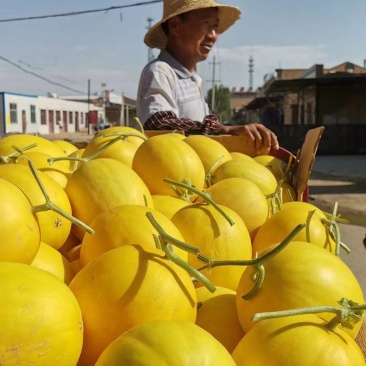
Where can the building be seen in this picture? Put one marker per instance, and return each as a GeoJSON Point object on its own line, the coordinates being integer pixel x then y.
{"type": "Point", "coordinates": [239, 99]}
{"type": "Point", "coordinates": [119, 110]}
{"type": "Point", "coordinates": [316, 96]}
{"type": "Point", "coordinates": [21, 113]}
{"type": "Point", "coordinates": [305, 98]}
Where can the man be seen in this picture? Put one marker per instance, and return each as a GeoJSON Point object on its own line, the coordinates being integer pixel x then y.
{"type": "Point", "coordinates": [169, 95]}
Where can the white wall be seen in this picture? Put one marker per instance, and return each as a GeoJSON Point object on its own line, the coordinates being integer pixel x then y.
{"type": "Point", "coordinates": [55, 104]}
{"type": "Point", "coordinates": [24, 103]}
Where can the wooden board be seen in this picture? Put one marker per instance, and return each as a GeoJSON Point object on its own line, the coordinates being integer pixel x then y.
{"type": "Point", "coordinates": [232, 143]}
{"type": "Point", "coordinates": [306, 160]}
{"type": "Point", "coordinates": [239, 144]}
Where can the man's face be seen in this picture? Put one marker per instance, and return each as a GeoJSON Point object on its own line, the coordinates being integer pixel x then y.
{"type": "Point", "coordinates": [196, 33]}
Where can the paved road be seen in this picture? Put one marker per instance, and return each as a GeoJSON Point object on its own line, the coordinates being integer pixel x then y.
{"type": "Point", "coordinates": [353, 236]}
{"type": "Point", "coordinates": [342, 179]}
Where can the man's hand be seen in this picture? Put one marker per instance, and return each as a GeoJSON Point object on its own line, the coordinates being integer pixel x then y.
{"type": "Point", "coordinates": [260, 135]}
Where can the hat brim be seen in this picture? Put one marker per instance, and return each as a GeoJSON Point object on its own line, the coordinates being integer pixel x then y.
{"type": "Point", "coordinates": [156, 38]}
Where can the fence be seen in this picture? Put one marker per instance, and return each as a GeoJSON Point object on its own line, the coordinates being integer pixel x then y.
{"type": "Point", "coordinates": [337, 139]}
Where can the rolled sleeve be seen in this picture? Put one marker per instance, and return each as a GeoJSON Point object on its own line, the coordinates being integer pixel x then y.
{"type": "Point", "coordinates": [156, 92]}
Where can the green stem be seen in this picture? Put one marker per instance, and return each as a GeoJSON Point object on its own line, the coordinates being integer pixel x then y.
{"type": "Point", "coordinates": [157, 242]}
{"type": "Point", "coordinates": [75, 164]}
{"type": "Point", "coordinates": [208, 178]}
{"type": "Point", "coordinates": [49, 205]}
{"type": "Point", "coordinates": [345, 247]}
{"type": "Point", "coordinates": [203, 195]}
{"type": "Point", "coordinates": [140, 124]}
{"type": "Point", "coordinates": [274, 198]}
{"type": "Point", "coordinates": [167, 238]}
{"type": "Point", "coordinates": [258, 262]}
{"type": "Point", "coordinates": [348, 313]}
{"type": "Point", "coordinates": [91, 156]}
{"type": "Point", "coordinates": [184, 194]}
{"type": "Point", "coordinates": [289, 172]}
{"type": "Point", "coordinates": [259, 270]}
{"type": "Point", "coordinates": [168, 250]}
{"type": "Point", "coordinates": [333, 229]}
{"type": "Point", "coordinates": [166, 242]}
{"type": "Point", "coordinates": [308, 221]}
{"type": "Point", "coordinates": [125, 135]}
{"type": "Point", "coordinates": [336, 218]}
{"type": "Point", "coordinates": [289, 167]}
{"type": "Point", "coordinates": [280, 195]}
{"type": "Point", "coordinates": [332, 323]}
{"type": "Point", "coordinates": [18, 151]}
{"type": "Point", "coordinates": [258, 278]}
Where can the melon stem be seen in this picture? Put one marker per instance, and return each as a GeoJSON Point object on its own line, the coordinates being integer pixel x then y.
{"type": "Point", "coordinates": [49, 205]}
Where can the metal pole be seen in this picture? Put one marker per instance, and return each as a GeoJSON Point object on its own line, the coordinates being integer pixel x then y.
{"type": "Point", "coordinates": [122, 114]}
{"type": "Point", "coordinates": [89, 130]}
{"type": "Point", "coordinates": [213, 86]}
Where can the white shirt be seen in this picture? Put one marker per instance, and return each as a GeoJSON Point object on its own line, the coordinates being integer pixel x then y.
{"type": "Point", "coordinates": [165, 85]}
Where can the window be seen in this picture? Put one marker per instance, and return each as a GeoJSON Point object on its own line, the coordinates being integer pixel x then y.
{"type": "Point", "coordinates": [64, 117]}
{"type": "Point", "coordinates": [13, 113]}
{"type": "Point", "coordinates": [33, 114]}
{"type": "Point", "coordinates": [43, 117]}
{"type": "Point", "coordinates": [70, 118]}
{"type": "Point", "coordinates": [51, 115]}
{"type": "Point", "coordinates": [58, 117]}
{"type": "Point", "coordinates": [81, 118]}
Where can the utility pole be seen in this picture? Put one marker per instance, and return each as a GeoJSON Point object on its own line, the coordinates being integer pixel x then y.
{"type": "Point", "coordinates": [150, 54]}
{"type": "Point", "coordinates": [122, 121]}
{"type": "Point", "coordinates": [251, 72]}
{"type": "Point", "coordinates": [213, 81]}
{"type": "Point", "coordinates": [89, 129]}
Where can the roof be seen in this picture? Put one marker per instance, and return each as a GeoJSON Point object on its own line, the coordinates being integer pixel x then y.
{"type": "Point", "coordinates": [19, 94]}
{"type": "Point", "coordinates": [328, 79]}
{"type": "Point", "coordinates": [261, 102]}
{"type": "Point", "coordinates": [130, 102]}
{"type": "Point", "coordinates": [115, 99]}
{"type": "Point", "coordinates": [345, 65]}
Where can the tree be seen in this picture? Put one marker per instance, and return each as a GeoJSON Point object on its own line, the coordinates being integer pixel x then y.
{"type": "Point", "coordinates": [221, 102]}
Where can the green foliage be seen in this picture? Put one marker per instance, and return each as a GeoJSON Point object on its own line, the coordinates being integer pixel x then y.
{"type": "Point", "coordinates": [221, 102]}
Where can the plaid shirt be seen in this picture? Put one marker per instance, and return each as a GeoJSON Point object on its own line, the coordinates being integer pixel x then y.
{"type": "Point", "coordinates": [167, 120]}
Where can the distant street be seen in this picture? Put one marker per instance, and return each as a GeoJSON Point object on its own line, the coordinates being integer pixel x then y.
{"type": "Point", "coordinates": [353, 236]}
{"type": "Point", "coordinates": [342, 179]}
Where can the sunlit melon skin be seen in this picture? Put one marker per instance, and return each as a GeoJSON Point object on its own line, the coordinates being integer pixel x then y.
{"type": "Point", "coordinates": [41, 321]}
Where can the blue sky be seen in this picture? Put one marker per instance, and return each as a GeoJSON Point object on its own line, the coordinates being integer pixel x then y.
{"type": "Point", "coordinates": [107, 47]}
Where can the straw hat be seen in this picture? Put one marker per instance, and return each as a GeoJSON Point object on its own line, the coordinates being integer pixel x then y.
{"type": "Point", "coordinates": [156, 38]}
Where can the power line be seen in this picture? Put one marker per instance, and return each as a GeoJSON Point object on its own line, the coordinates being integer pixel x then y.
{"type": "Point", "coordinates": [79, 12]}
{"type": "Point", "coordinates": [39, 69]}
{"type": "Point", "coordinates": [40, 76]}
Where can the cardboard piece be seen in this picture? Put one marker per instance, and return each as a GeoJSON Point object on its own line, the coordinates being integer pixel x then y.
{"type": "Point", "coordinates": [306, 160]}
